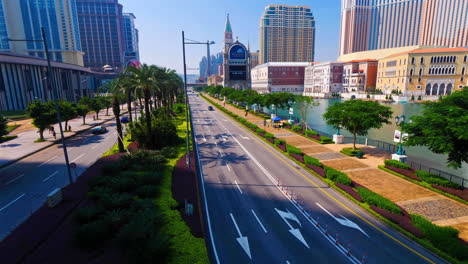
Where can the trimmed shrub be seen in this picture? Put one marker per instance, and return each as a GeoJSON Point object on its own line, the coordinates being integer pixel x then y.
{"type": "Point", "coordinates": [443, 238]}
{"type": "Point", "coordinates": [403, 221]}
{"type": "Point", "coordinates": [87, 214]}
{"type": "Point", "coordinates": [397, 164]}
{"type": "Point", "coordinates": [372, 198]}
{"type": "Point", "coordinates": [319, 170]}
{"type": "Point", "coordinates": [434, 179]}
{"type": "Point", "coordinates": [325, 139]}
{"type": "Point", "coordinates": [459, 193]}
{"type": "Point", "coordinates": [311, 133]}
{"type": "Point", "coordinates": [408, 173]}
{"type": "Point", "coordinates": [350, 151]}
{"type": "Point", "coordinates": [280, 142]}
{"type": "Point", "coordinates": [260, 131]}
{"type": "Point", "coordinates": [312, 161]}
{"type": "Point", "coordinates": [169, 152]}
{"type": "Point", "coordinates": [337, 176]}
{"type": "Point", "coordinates": [294, 150]}
{"type": "Point", "coordinates": [147, 191]}
{"type": "Point", "coordinates": [92, 235]}
{"type": "Point", "coordinates": [287, 124]}
{"type": "Point", "coordinates": [349, 190]}
{"type": "Point", "coordinates": [297, 128]}
{"type": "Point", "coordinates": [269, 136]}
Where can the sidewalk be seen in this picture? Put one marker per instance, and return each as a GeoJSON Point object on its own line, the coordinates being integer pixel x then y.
{"type": "Point", "coordinates": [24, 144]}
{"type": "Point", "coordinates": [414, 198]}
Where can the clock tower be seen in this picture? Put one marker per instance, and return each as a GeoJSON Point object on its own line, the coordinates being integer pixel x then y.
{"type": "Point", "coordinates": [227, 35]}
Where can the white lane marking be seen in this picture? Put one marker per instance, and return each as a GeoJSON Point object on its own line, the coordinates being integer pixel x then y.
{"type": "Point", "coordinates": [238, 187]}
{"type": "Point", "coordinates": [243, 241]}
{"type": "Point", "coordinates": [258, 220]}
{"type": "Point", "coordinates": [313, 222]}
{"type": "Point", "coordinates": [220, 153]}
{"type": "Point", "coordinates": [55, 173]}
{"type": "Point", "coordinates": [93, 147]}
{"type": "Point", "coordinates": [244, 137]}
{"type": "Point", "coordinates": [287, 262]}
{"type": "Point", "coordinates": [44, 163]}
{"type": "Point", "coordinates": [78, 158]}
{"type": "Point", "coordinates": [345, 221]}
{"type": "Point", "coordinates": [4, 207]}
{"type": "Point", "coordinates": [227, 165]}
{"type": "Point", "coordinates": [21, 175]}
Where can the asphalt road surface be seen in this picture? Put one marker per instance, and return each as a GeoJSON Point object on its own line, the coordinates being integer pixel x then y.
{"type": "Point", "coordinates": [253, 219]}
{"type": "Point", "coordinates": [24, 186]}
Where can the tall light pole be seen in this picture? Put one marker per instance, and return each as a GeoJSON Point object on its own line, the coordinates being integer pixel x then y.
{"type": "Point", "coordinates": [54, 96]}
{"type": "Point", "coordinates": [192, 42]}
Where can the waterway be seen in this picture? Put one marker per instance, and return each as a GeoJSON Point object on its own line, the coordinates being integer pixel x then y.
{"type": "Point", "coordinates": [385, 134]}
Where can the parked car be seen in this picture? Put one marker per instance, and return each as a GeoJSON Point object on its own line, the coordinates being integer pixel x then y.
{"type": "Point", "coordinates": [125, 119]}
{"type": "Point", "coordinates": [98, 130]}
{"type": "Point", "coordinates": [210, 108]}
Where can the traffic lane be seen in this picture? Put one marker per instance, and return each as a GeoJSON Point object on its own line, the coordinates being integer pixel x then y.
{"type": "Point", "coordinates": [317, 196]}
{"type": "Point", "coordinates": [19, 200]}
{"type": "Point", "coordinates": [264, 247]}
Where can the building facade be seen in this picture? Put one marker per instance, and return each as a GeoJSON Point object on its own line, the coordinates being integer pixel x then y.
{"type": "Point", "coordinates": [100, 24]}
{"type": "Point", "coordinates": [275, 77]}
{"type": "Point", "coordinates": [236, 62]}
{"type": "Point", "coordinates": [23, 19]}
{"type": "Point", "coordinates": [130, 38]}
{"type": "Point", "coordinates": [383, 24]}
{"type": "Point", "coordinates": [254, 59]}
{"type": "Point", "coordinates": [287, 34]}
{"type": "Point", "coordinates": [324, 78]}
{"type": "Point", "coordinates": [360, 76]}
{"type": "Point", "coordinates": [23, 79]}
{"type": "Point", "coordinates": [431, 72]}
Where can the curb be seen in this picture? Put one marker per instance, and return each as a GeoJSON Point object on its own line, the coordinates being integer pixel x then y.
{"type": "Point", "coordinates": [57, 141]}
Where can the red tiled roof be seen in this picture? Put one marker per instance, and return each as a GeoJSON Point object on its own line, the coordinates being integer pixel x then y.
{"type": "Point", "coordinates": [435, 50]}
{"type": "Point", "coordinates": [364, 60]}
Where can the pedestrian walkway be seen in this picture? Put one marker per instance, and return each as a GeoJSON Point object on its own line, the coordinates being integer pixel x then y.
{"type": "Point", "coordinates": [414, 198]}
{"type": "Point", "coordinates": [24, 144]}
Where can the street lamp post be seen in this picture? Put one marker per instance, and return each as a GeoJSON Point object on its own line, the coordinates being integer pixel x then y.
{"type": "Point", "coordinates": [400, 154]}
{"type": "Point", "coordinates": [187, 110]}
{"type": "Point", "coordinates": [54, 95]}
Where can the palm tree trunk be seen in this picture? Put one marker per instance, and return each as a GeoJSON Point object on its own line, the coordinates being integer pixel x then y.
{"type": "Point", "coordinates": [129, 108]}
{"type": "Point", "coordinates": [147, 113]}
{"type": "Point", "coordinates": [116, 110]}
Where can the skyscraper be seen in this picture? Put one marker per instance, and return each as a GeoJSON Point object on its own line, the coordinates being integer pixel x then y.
{"type": "Point", "coordinates": [287, 34]}
{"type": "Point", "coordinates": [23, 19]}
{"type": "Point", "coordinates": [100, 23]}
{"type": "Point", "coordinates": [130, 37]}
{"type": "Point", "coordinates": [382, 24]}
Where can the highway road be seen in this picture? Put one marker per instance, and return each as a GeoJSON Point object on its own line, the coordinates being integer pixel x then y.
{"type": "Point", "coordinates": [261, 207]}
{"type": "Point", "coordinates": [24, 185]}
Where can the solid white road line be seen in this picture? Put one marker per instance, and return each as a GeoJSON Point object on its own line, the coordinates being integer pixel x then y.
{"type": "Point", "coordinates": [244, 137]}
{"type": "Point", "coordinates": [238, 187]}
{"type": "Point", "coordinates": [287, 262]}
{"type": "Point", "coordinates": [55, 173]}
{"type": "Point", "coordinates": [3, 208]}
{"type": "Point", "coordinates": [220, 153]}
{"type": "Point", "coordinates": [78, 158]}
{"type": "Point", "coordinates": [93, 147]}
{"type": "Point", "coordinates": [46, 162]}
{"type": "Point", "coordinates": [21, 175]}
{"type": "Point", "coordinates": [227, 165]}
{"type": "Point", "coordinates": [258, 220]}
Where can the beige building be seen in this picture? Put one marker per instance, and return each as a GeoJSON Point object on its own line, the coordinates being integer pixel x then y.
{"type": "Point", "coordinates": [359, 75]}
{"type": "Point", "coordinates": [287, 34]}
{"type": "Point", "coordinates": [215, 80]}
{"type": "Point", "coordinates": [430, 72]}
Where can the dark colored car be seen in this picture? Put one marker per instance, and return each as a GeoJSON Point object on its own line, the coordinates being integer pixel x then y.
{"type": "Point", "coordinates": [210, 108]}
{"type": "Point", "coordinates": [125, 119]}
{"type": "Point", "coordinates": [98, 130]}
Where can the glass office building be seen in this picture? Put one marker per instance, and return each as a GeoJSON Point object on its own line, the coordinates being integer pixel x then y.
{"type": "Point", "coordinates": [130, 38]}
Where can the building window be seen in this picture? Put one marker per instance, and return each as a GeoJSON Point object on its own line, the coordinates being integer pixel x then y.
{"type": "Point", "coordinates": [464, 58]}
{"type": "Point", "coordinates": [422, 60]}
{"type": "Point", "coordinates": [413, 60]}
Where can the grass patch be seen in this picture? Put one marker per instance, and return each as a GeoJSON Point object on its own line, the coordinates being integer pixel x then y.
{"type": "Point", "coordinates": [11, 128]}
{"type": "Point", "coordinates": [7, 138]}
{"type": "Point", "coordinates": [14, 115]}
{"type": "Point", "coordinates": [350, 151]}
{"type": "Point", "coordinates": [39, 140]}
{"type": "Point", "coordinates": [115, 148]}
{"type": "Point", "coordinates": [373, 198]}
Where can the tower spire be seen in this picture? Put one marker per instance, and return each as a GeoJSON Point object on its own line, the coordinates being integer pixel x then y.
{"type": "Point", "coordinates": [228, 25]}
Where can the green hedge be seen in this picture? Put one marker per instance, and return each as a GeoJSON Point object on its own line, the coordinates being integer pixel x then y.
{"type": "Point", "coordinates": [286, 124]}
{"type": "Point", "coordinates": [337, 176]}
{"type": "Point", "coordinates": [397, 164]}
{"type": "Point", "coordinates": [371, 197]}
{"type": "Point", "coordinates": [312, 161]}
{"type": "Point", "coordinates": [296, 128]}
{"type": "Point", "coordinates": [269, 136]}
{"type": "Point", "coordinates": [325, 139]}
{"type": "Point", "coordinates": [293, 150]}
{"type": "Point", "coordinates": [350, 151]}
{"type": "Point", "coordinates": [443, 238]}
{"type": "Point", "coordinates": [311, 133]}
{"type": "Point", "coordinates": [280, 141]}
{"type": "Point", "coordinates": [434, 179]}
{"type": "Point", "coordinates": [260, 131]}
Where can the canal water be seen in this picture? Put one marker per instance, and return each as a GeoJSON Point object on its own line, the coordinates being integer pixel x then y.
{"type": "Point", "coordinates": [385, 134]}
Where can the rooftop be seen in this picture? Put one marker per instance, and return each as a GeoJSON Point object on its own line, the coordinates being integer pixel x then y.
{"type": "Point", "coordinates": [433, 50]}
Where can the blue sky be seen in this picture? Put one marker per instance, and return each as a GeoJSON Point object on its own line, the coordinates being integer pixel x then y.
{"type": "Point", "coordinates": [161, 21]}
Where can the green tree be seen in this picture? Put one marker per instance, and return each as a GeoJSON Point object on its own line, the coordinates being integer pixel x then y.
{"type": "Point", "coordinates": [303, 104]}
{"type": "Point", "coordinates": [279, 100]}
{"type": "Point", "coordinates": [96, 106]}
{"type": "Point", "coordinates": [442, 128]}
{"type": "Point", "coordinates": [67, 112]}
{"type": "Point", "coordinates": [82, 110]}
{"type": "Point", "coordinates": [3, 127]}
{"type": "Point", "coordinates": [357, 116]}
{"type": "Point", "coordinates": [43, 115]}
{"type": "Point", "coordinates": [106, 102]}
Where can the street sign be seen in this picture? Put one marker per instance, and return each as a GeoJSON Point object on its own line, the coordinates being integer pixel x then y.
{"type": "Point", "coordinates": [397, 135]}
{"type": "Point", "coordinates": [73, 165]}
{"type": "Point", "coordinates": [291, 111]}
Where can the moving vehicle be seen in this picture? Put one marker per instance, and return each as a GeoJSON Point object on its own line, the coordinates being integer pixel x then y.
{"type": "Point", "coordinates": [210, 108]}
{"type": "Point", "coordinates": [125, 119]}
{"type": "Point", "coordinates": [98, 130]}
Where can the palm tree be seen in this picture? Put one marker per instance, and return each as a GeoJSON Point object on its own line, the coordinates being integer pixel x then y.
{"type": "Point", "coordinates": [116, 88]}
{"type": "Point", "coordinates": [126, 88]}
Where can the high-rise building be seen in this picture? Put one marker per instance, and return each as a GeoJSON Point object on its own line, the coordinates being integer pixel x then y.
{"type": "Point", "coordinates": [254, 59]}
{"type": "Point", "coordinates": [130, 37]}
{"type": "Point", "coordinates": [383, 24]}
{"type": "Point", "coordinates": [23, 19]}
{"type": "Point", "coordinates": [100, 23]}
{"type": "Point", "coordinates": [287, 34]}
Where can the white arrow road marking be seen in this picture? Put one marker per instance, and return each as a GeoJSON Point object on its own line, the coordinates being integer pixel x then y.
{"type": "Point", "coordinates": [258, 220]}
{"type": "Point", "coordinates": [238, 187]}
{"type": "Point", "coordinates": [345, 221]}
{"type": "Point", "coordinates": [243, 241]}
{"type": "Point", "coordinates": [295, 232]}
